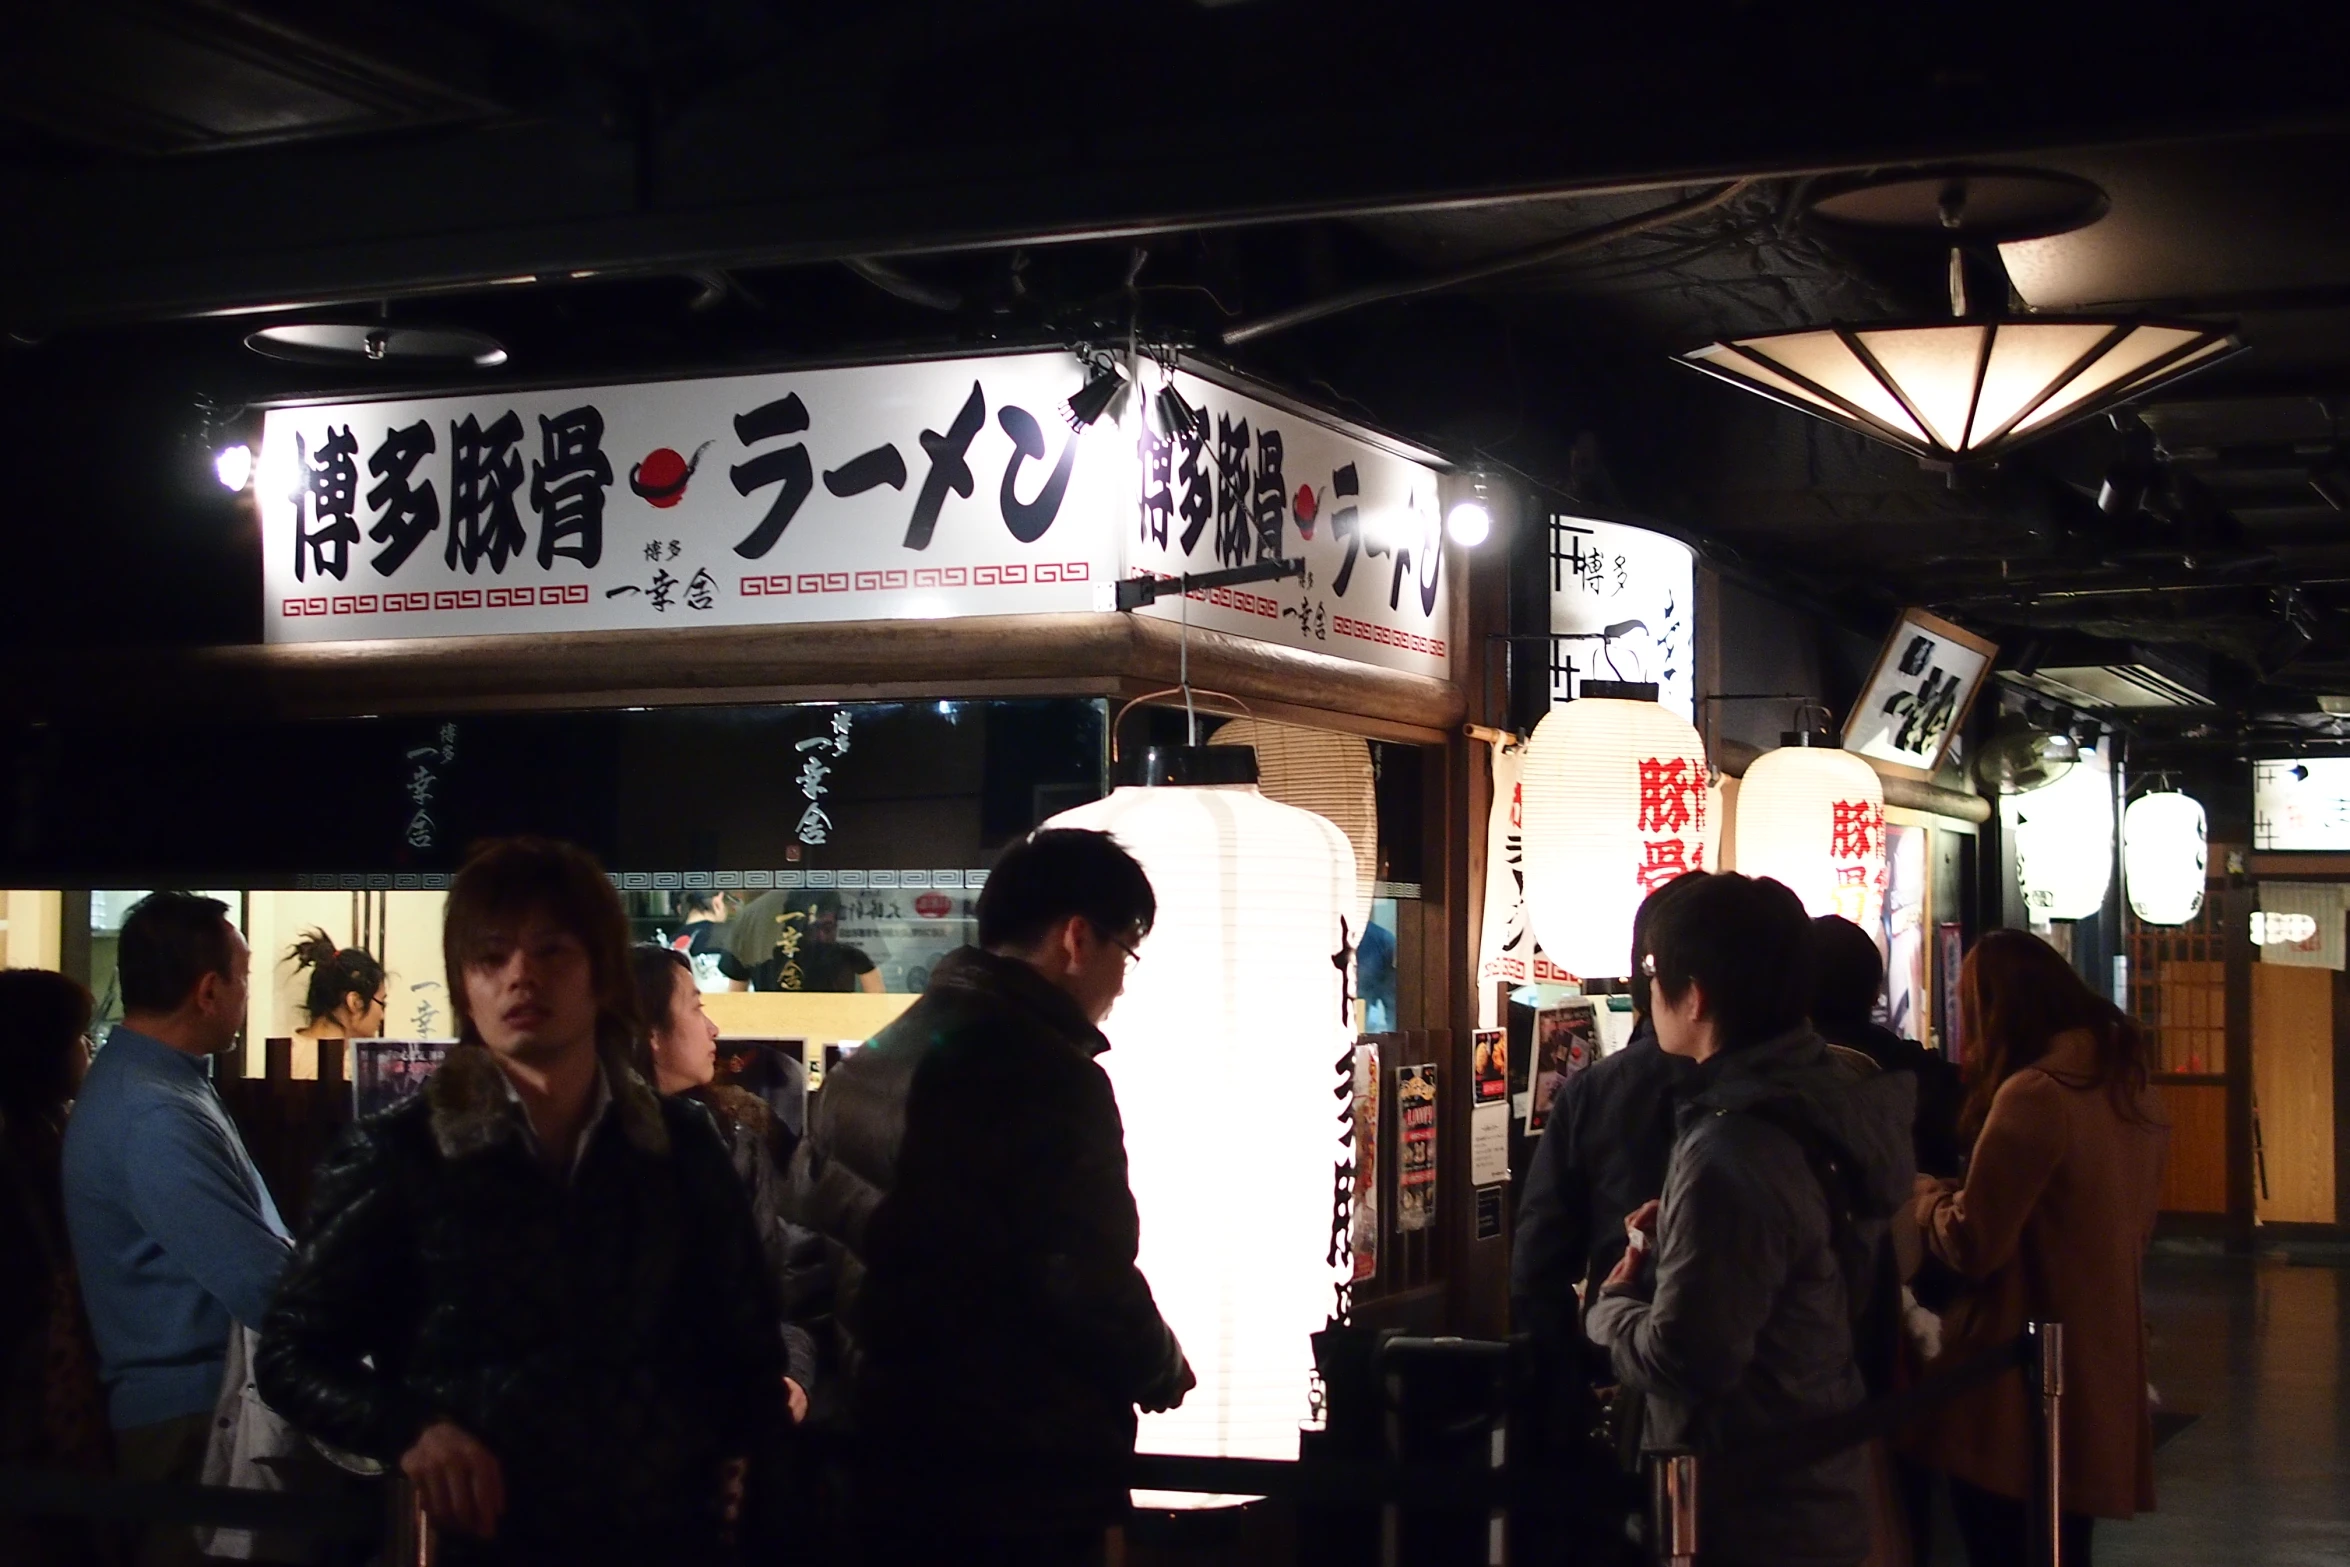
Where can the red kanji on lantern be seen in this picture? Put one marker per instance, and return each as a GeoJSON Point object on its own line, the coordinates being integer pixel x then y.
{"type": "Point", "coordinates": [1665, 788]}
{"type": "Point", "coordinates": [1858, 830]}
{"type": "Point", "coordinates": [1665, 860]}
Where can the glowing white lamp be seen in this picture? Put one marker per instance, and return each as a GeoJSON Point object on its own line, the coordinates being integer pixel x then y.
{"type": "Point", "coordinates": [1812, 817]}
{"type": "Point", "coordinates": [1469, 522]}
{"type": "Point", "coordinates": [233, 466]}
{"type": "Point", "coordinates": [2165, 849]}
{"type": "Point", "coordinates": [2064, 844]}
{"type": "Point", "coordinates": [1617, 803]}
{"type": "Point", "coordinates": [1222, 1053]}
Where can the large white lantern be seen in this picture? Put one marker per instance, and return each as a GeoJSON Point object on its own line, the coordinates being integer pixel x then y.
{"type": "Point", "coordinates": [1812, 817]}
{"type": "Point", "coordinates": [2064, 843]}
{"type": "Point", "coordinates": [2165, 849]}
{"type": "Point", "coordinates": [1224, 1053]}
{"type": "Point", "coordinates": [1616, 805]}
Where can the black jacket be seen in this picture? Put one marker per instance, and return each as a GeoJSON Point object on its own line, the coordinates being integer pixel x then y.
{"type": "Point", "coordinates": [1602, 1154]}
{"type": "Point", "coordinates": [613, 1342]}
{"type": "Point", "coordinates": [1940, 1089]}
{"type": "Point", "coordinates": [1742, 1329]}
{"type": "Point", "coordinates": [969, 1167]}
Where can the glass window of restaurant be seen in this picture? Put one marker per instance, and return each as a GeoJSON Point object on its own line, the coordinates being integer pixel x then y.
{"type": "Point", "coordinates": [815, 859]}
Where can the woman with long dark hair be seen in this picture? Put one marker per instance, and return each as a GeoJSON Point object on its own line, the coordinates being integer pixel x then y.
{"type": "Point", "coordinates": [2052, 1222]}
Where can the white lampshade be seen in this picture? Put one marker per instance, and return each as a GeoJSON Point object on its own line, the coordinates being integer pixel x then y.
{"type": "Point", "coordinates": [1952, 389]}
{"type": "Point", "coordinates": [1225, 1052]}
{"type": "Point", "coordinates": [1617, 804]}
{"type": "Point", "coordinates": [2165, 849]}
{"type": "Point", "coordinates": [1327, 773]}
{"type": "Point", "coordinates": [2064, 843]}
{"type": "Point", "coordinates": [1812, 817]}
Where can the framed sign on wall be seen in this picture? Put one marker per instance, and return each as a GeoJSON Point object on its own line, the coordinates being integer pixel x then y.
{"type": "Point", "coordinates": [1917, 696]}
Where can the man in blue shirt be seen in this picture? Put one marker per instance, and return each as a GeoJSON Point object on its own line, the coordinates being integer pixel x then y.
{"type": "Point", "coordinates": [173, 1231]}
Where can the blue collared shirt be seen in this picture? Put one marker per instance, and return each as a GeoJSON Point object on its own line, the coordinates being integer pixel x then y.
{"type": "Point", "coordinates": [174, 1233]}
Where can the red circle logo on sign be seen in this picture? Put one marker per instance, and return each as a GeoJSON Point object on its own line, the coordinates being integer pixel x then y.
{"type": "Point", "coordinates": [933, 906]}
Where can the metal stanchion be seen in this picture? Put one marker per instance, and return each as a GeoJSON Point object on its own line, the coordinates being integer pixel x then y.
{"type": "Point", "coordinates": [1672, 1508]}
{"type": "Point", "coordinates": [2048, 1359]}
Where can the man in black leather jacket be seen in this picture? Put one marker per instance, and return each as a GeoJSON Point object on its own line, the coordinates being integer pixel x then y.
{"type": "Point", "coordinates": [969, 1167]}
{"type": "Point", "coordinates": [535, 1286]}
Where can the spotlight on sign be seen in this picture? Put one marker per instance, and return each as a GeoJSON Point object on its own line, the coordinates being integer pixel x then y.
{"type": "Point", "coordinates": [233, 466]}
{"type": "Point", "coordinates": [1470, 521]}
{"type": "Point", "coordinates": [1171, 413]}
{"type": "Point", "coordinates": [1102, 393]}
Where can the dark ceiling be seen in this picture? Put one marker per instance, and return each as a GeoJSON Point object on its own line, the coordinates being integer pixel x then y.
{"type": "Point", "coordinates": [617, 187]}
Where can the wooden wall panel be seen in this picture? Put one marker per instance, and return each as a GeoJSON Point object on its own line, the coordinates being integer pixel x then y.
{"type": "Point", "coordinates": [2195, 1176]}
{"type": "Point", "coordinates": [2293, 1092]}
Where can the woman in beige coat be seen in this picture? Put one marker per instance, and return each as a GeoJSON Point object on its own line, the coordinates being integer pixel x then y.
{"type": "Point", "coordinates": [2052, 1222]}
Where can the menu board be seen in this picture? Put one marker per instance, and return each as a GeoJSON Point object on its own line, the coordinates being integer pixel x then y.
{"type": "Point", "coordinates": [1415, 1119]}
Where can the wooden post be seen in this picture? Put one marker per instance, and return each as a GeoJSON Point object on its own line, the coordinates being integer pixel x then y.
{"type": "Point", "coordinates": [2236, 940]}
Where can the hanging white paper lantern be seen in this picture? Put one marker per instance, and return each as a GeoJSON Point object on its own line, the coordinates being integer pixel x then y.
{"type": "Point", "coordinates": [2165, 849]}
{"type": "Point", "coordinates": [1616, 805]}
{"type": "Point", "coordinates": [1812, 817]}
{"type": "Point", "coordinates": [1224, 1050]}
{"type": "Point", "coordinates": [1321, 771]}
{"type": "Point", "coordinates": [2064, 843]}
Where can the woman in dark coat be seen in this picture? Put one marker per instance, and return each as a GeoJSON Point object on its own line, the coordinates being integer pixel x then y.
{"type": "Point", "coordinates": [681, 1059]}
{"type": "Point", "coordinates": [51, 1412]}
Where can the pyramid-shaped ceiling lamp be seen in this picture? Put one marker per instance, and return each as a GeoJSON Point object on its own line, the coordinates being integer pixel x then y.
{"type": "Point", "coordinates": [1976, 385]}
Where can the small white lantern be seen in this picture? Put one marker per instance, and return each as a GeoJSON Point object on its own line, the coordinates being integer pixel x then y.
{"type": "Point", "coordinates": [2064, 843]}
{"type": "Point", "coordinates": [1223, 1054]}
{"type": "Point", "coordinates": [1617, 803]}
{"type": "Point", "coordinates": [2165, 850]}
{"type": "Point", "coordinates": [1812, 818]}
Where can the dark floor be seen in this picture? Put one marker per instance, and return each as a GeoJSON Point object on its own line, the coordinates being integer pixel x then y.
{"type": "Point", "coordinates": [2256, 1350]}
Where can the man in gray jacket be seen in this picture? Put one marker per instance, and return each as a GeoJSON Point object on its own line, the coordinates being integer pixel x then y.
{"type": "Point", "coordinates": [1736, 1313]}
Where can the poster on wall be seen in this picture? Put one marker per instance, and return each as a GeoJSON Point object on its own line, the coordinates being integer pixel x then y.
{"type": "Point", "coordinates": [1489, 1056]}
{"type": "Point", "coordinates": [385, 1072]}
{"type": "Point", "coordinates": [1415, 1121]}
{"type": "Point", "coordinates": [1916, 698]}
{"type": "Point", "coordinates": [1949, 952]}
{"type": "Point", "coordinates": [923, 490]}
{"type": "Point", "coordinates": [1907, 1007]}
{"type": "Point", "coordinates": [1566, 1041]}
{"type": "Point", "coordinates": [1489, 1144]}
{"type": "Point", "coordinates": [1363, 1215]}
{"type": "Point", "coordinates": [1622, 607]}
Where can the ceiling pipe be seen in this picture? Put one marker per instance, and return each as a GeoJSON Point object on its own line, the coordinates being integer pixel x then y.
{"type": "Point", "coordinates": [1515, 261]}
{"type": "Point", "coordinates": [912, 290]}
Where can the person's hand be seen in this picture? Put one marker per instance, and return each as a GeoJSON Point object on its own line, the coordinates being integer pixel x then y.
{"type": "Point", "coordinates": [1930, 1186]}
{"type": "Point", "coordinates": [1640, 1231]}
{"type": "Point", "coordinates": [1159, 1403]}
{"type": "Point", "coordinates": [1640, 1224]}
{"type": "Point", "coordinates": [457, 1479]}
{"type": "Point", "coordinates": [733, 1478]}
{"type": "Point", "coordinates": [797, 1397]}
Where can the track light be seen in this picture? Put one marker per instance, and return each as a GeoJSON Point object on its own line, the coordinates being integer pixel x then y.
{"type": "Point", "coordinates": [1170, 414]}
{"type": "Point", "coordinates": [233, 466]}
{"type": "Point", "coordinates": [1103, 391]}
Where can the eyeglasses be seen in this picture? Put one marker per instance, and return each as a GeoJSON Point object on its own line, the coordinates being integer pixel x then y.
{"type": "Point", "coordinates": [1133, 950]}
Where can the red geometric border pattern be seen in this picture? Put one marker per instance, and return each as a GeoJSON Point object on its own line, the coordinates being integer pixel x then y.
{"type": "Point", "coordinates": [552, 596]}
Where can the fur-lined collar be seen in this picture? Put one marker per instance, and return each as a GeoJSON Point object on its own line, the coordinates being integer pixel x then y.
{"type": "Point", "coordinates": [472, 1111]}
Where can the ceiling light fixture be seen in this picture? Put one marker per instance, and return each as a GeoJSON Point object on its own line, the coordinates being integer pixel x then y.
{"type": "Point", "coordinates": [233, 466]}
{"type": "Point", "coordinates": [1470, 521]}
{"type": "Point", "coordinates": [1103, 393]}
{"type": "Point", "coordinates": [1979, 384]}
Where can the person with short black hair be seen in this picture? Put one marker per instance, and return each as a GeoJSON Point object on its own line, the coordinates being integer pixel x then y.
{"type": "Point", "coordinates": [968, 1167]}
{"type": "Point", "coordinates": [791, 941]}
{"type": "Point", "coordinates": [1737, 1310]}
{"type": "Point", "coordinates": [1848, 975]}
{"type": "Point", "coordinates": [535, 1286]}
{"type": "Point", "coordinates": [174, 1232]}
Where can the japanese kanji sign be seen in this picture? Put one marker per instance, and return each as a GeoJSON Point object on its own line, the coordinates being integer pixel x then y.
{"type": "Point", "coordinates": [1622, 607]}
{"type": "Point", "coordinates": [1917, 697]}
{"type": "Point", "coordinates": [929, 490]}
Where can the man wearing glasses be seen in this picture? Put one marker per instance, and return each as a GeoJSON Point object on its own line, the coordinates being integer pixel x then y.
{"type": "Point", "coordinates": [968, 1168]}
